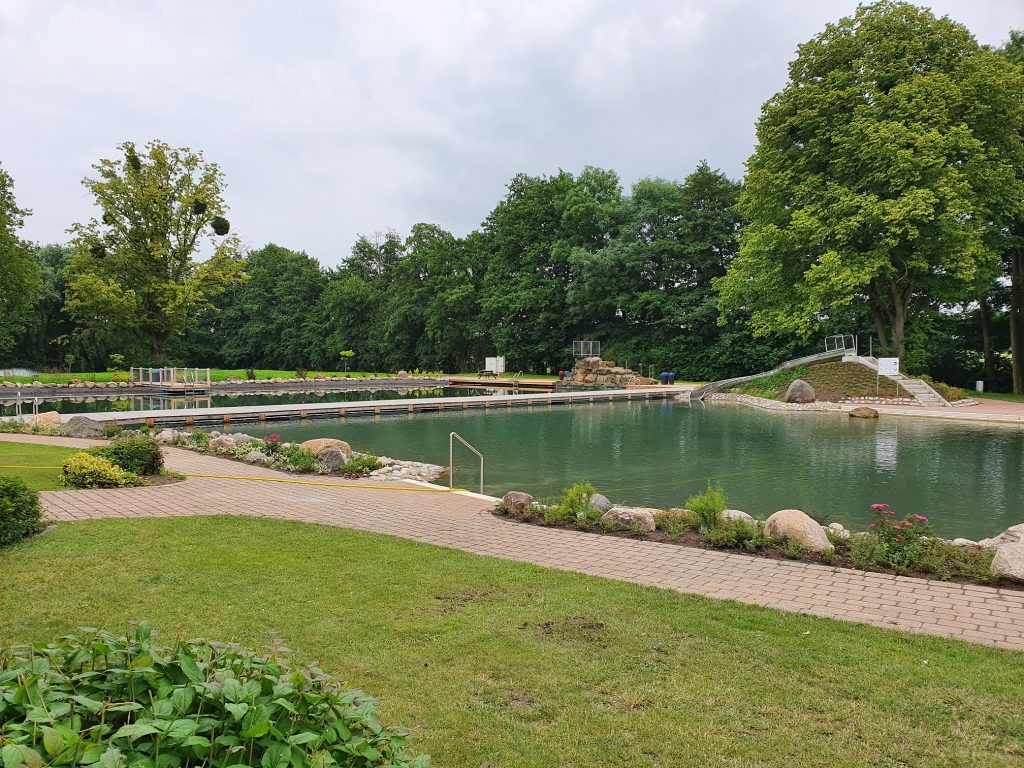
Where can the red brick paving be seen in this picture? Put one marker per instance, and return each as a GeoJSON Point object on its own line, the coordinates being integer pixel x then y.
{"type": "Point", "coordinates": [972, 613]}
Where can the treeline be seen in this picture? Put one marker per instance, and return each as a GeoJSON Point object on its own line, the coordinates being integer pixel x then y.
{"type": "Point", "coordinates": [885, 198]}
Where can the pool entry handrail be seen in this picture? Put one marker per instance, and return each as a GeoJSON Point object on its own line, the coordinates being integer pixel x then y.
{"type": "Point", "coordinates": [452, 436]}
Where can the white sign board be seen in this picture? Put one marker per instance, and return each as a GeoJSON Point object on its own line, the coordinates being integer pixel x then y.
{"type": "Point", "coordinates": [888, 366]}
{"type": "Point", "coordinates": [495, 364]}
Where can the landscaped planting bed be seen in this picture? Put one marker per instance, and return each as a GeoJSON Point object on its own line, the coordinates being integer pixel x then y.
{"type": "Point", "coordinates": [904, 546]}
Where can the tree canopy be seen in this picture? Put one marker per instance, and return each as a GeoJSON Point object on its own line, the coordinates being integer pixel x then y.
{"type": "Point", "coordinates": [20, 271]}
{"type": "Point", "coordinates": [135, 275]}
{"type": "Point", "coordinates": [879, 171]}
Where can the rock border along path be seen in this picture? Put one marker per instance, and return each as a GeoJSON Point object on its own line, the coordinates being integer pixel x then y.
{"type": "Point", "coordinates": [962, 611]}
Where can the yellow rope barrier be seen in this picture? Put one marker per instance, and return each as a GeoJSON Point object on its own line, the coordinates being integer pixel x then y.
{"type": "Point", "coordinates": [289, 480]}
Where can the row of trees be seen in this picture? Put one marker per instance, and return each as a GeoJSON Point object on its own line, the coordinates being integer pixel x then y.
{"type": "Point", "coordinates": [886, 195]}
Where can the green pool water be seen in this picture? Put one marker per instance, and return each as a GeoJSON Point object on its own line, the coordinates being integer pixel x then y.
{"type": "Point", "coordinates": [969, 480]}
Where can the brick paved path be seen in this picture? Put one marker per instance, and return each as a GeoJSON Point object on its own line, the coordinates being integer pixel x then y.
{"type": "Point", "coordinates": [972, 613]}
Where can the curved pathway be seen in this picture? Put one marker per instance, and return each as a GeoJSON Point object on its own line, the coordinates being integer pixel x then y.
{"type": "Point", "coordinates": [966, 612]}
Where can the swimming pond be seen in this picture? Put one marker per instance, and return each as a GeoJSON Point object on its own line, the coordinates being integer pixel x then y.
{"type": "Point", "coordinates": [969, 479]}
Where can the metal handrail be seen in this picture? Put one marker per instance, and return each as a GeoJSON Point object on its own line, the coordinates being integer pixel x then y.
{"type": "Point", "coordinates": [451, 460]}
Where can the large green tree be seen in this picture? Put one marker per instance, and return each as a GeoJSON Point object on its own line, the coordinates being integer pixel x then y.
{"type": "Point", "coordinates": [147, 268]}
{"type": "Point", "coordinates": [878, 172]}
{"type": "Point", "coordinates": [262, 321]}
{"type": "Point", "coordinates": [46, 336]}
{"type": "Point", "coordinates": [19, 271]}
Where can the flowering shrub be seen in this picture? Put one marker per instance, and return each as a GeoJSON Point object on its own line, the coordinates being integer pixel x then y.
{"type": "Point", "coordinates": [890, 542]}
{"type": "Point", "coordinates": [83, 470]}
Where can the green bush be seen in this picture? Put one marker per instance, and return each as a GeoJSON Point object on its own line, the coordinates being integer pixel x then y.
{"type": "Point", "coordinates": [84, 470]}
{"type": "Point", "coordinates": [574, 507]}
{"type": "Point", "coordinates": [13, 425]}
{"type": "Point", "coordinates": [299, 459]}
{"type": "Point", "coordinates": [708, 505]}
{"type": "Point", "coordinates": [737, 533]}
{"type": "Point", "coordinates": [676, 522]}
{"type": "Point", "coordinates": [138, 454]}
{"type": "Point", "coordinates": [20, 515]}
{"type": "Point", "coordinates": [119, 700]}
{"type": "Point", "coordinates": [361, 465]}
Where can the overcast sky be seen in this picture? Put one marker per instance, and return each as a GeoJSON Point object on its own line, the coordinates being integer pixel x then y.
{"type": "Point", "coordinates": [334, 119]}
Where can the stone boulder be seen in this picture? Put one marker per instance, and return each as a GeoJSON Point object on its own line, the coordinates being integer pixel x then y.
{"type": "Point", "coordinates": [517, 503]}
{"type": "Point", "coordinates": [1011, 534]}
{"type": "Point", "coordinates": [256, 457]}
{"type": "Point", "coordinates": [735, 514]}
{"type": "Point", "coordinates": [600, 502]}
{"type": "Point", "coordinates": [961, 542]}
{"type": "Point", "coordinates": [837, 529]}
{"type": "Point", "coordinates": [800, 392]}
{"type": "Point", "coordinates": [46, 419]}
{"type": "Point", "coordinates": [631, 517]}
{"type": "Point", "coordinates": [797, 526]}
{"type": "Point", "coordinates": [222, 444]}
{"type": "Point", "coordinates": [402, 374]}
{"type": "Point", "coordinates": [166, 436]}
{"type": "Point", "coordinates": [863, 412]}
{"type": "Point", "coordinates": [82, 426]}
{"type": "Point", "coordinates": [333, 459]}
{"type": "Point", "coordinates": [318, 444]}
{"type": "Point", "coordinates": [243, 439]}
{"type": "Point", "coordinates": [1008, 562]}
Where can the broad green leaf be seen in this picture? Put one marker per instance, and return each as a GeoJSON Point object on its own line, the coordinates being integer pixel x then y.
{"type": "Point", "coordinates": [179, 729]}
{"type": "Point", "coordinates": [11, 755]}
{"type": "Point", "coordinates": [53, 743]}
{"type": "Point", "coordinates": [134, 731]}
{"type": "Point", "coordinates": [92, 705]}
{"type": "Point", "coordinates": [182, 699]}
{"type": "Point", "coordinates": [92, 753]}
{"type": "Point", "coordinates": [190, 668]}
{"type": "Point", "coordinates": [305, 737]}
{"type": "Point", "coordinates": [237, 710]}
{"type": "Point", "coordinates": [30, 757]}
{"type": "Point", "coordinates": [233, 690]}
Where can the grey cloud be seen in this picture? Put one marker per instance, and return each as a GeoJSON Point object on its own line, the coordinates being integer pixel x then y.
{"type": "Point", "coordinates": [332, 119]}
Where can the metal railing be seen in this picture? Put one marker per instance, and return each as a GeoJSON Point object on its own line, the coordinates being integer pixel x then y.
{"type": "Point", "coordinates": [452, 436]}
{"type": "Point", "coordinates": [841, 341]}
{"type": "Point", "coordinates": [171, 377]}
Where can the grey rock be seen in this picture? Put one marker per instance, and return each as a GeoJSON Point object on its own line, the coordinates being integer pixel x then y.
{"type": "Point", "coordinates": [600, 502]}
{"type": "Point", "coordinates": [863, 412]}
{"type": "Point", "coordinates": [963, 543]}
{"type": "Point", "coordinates": [837, 529]}
{"type": "Point", "coordinates": [45, 419]}
{"type": "Point", "coordinates": [735, 514]}
{"type": "Point", "coordinates": [166, 436]}
{"type": "Point", "coordinates": [1013, 533]}
{"type": "Point", "coordinates": [629, 517]}
{"type": "Point", "coordinates": [222, 444]}
{"type": "Point", "coordinates": [800, 392]}
{"type": "Point", "coordinates": [256, 457]}
{"type": "Point", "coordinates": [332, 459]}
{"type": "Point", "coordinates": [82, 426]}
{"type": "Point", "coordinates": [242, 439]}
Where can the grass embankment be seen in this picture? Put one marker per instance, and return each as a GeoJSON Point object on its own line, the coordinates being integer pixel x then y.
{"type": "Point", "coordinates": [507, 664]}
{"type": "Point", "coordinates": [831, 382]}
{"type": "Point", "coordinates": [26, 454]}
{"type": "Point", "coordinates": [1007, 396]}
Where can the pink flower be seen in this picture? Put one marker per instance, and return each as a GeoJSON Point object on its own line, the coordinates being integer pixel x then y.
{"type": "Point", "coordinates": [871, 525]}
{"type": "Point", "coordinates": [896, 527]}
{"type": "Point", "coordinates": [920, 518]}
{"type": "Point", "coordinates": [879, 507]}
{"type": "Point", "coordinates": [907, 523]}
{"type": "Point", "coordinates": [887, 512]}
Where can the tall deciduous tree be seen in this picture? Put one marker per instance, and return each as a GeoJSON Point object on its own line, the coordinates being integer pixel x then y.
{"type": "Point", "coordinates": [138, 271]}
{"type": "Point", "coordinates": [878, 173]}
{"type": "Point", "coordinates": [19, 271]}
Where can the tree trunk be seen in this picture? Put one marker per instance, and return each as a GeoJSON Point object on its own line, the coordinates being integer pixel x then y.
{"type": "Point", "coordinates": [986, 342]}
{"type": "Point", "coordinates": [1017, 320]}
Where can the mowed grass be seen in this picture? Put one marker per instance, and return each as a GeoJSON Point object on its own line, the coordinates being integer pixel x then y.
{"type": "Point", "coordinates": [14, 455]}
{"type": "Point", "coordinates": [511, 665]}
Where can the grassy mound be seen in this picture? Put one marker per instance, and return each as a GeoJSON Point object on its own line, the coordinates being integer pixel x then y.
{"type": "Point", "coordinates": [831, 381]}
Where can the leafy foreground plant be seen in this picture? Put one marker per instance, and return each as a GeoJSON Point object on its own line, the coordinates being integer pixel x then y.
{"type": "Point", "coordinates": [20, 515]}
{"type": "Point", "coordinates": [123, 702]}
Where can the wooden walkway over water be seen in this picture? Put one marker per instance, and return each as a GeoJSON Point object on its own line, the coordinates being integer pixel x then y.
{"type": "Point", "coordinates": [244, 413]}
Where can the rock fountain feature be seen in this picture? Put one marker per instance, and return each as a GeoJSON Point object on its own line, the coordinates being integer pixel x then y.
{"type": "Point", "coordinates": [595, 372]}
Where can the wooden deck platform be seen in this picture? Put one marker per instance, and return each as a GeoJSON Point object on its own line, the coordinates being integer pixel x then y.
{"type": "Point", "coordinates": [259, 413]}
{"type": "Point", "coordinates": [502, 382]}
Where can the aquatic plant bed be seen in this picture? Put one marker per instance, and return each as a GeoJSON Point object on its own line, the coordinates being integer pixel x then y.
{"type": "Point", "coordinates": [904, 547]}
{"type": "Point", "coordinates": [506, 663]}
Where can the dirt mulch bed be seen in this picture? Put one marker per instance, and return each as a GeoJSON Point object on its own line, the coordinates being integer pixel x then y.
{"type": "Point", "coordinates": [693, 539]}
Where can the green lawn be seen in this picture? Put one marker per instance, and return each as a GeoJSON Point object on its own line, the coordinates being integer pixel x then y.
{"type": "Point", "coordinates": [25, 454]}
{"type": "Point", "coordinates": [511, 665]}
{"type": "Point", "coordinates": [998, 396]}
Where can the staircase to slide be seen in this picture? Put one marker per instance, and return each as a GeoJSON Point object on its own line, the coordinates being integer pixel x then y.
{"type": "Point", "coordinates": [921, 391]}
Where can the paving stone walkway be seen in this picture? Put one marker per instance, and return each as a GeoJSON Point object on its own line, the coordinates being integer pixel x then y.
{"type": "Point", "coordinates": [972, 613]}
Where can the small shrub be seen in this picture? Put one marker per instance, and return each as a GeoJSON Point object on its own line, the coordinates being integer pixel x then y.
{"type": "Point", "coordinates": [13, 425]}
{"type": "Point", "coordinates": [609, 525]}
{"type": "Point", "coordinates": [708, 505]}
{"type": "Point", "coordinates": [138, 454]}
{"type": "Point", "coordinates": [301, 373]}
{"type": "Point", "coordinates": [20, 515]}
{"type": "Point", "coordinates": [792, 549]}
{"type": "Point", "coordinates": [892, 543]}
{"type": "Point", "coordinates": [828, 556]}
{"type": "Point", "coordinates": [121, 700]}
{"type": "Point", "coordinates": [273, 442]}
{"type": "Point", "coordinates": [736, 533]}
{"type": "Point", "coordinates": [574, 507]}
{"type": "Point", "coordinates": [676, 522]}
{"type": "Point", "coordinates": [110, 431]}
{"type": "Point", "coordinates": [299, 459]}
{"type": "Point", "coordinates": [84, 470]}
{"type": "Point", "coordinates": [199, 439]}
{"type": "Point", "coordinates": [361, 465]}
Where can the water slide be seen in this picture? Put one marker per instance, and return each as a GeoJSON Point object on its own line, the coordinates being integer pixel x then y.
{"type": "Point", "coordinates": [718, 386]}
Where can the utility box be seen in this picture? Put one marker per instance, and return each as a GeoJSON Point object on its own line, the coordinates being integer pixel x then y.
{"type": "Point", "coordinates": [495, 364]}
{"type": "Point", "coordinates": [979, 386]}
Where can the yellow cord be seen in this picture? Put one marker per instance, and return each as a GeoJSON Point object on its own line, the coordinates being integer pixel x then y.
{"type": "Point", "coordinates": [289, 480]}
